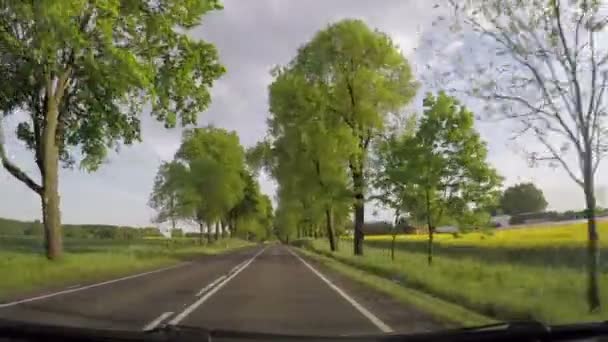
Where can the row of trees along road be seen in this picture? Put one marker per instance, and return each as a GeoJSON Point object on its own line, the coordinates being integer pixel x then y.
{"type": "Point", "coordinates": [82, 71]}
{"type": "Point", "coordinates": [209, 183]}
{"type": "Point", "coordinates": [336, 139]}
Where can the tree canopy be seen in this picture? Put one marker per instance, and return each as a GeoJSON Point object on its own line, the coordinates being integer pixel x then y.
{"type": "Point", "coordinates": [83, 70]}
{"type": "Point", "coordinates": [522, 198]}
{"type": "Point", "coordinates": [327, 106]}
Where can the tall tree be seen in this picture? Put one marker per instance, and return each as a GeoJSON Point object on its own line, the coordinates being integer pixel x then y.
{"type": "Point", "coordinates": [522, 198]}
{"type": "Point", "coordinates": [444, 167]}
{"type": "Point", "coordinates": [82, 71]}
{"type": "Point", "coordinates": [169, 183]}
{"type": "Point", "coordinates": [216, 163]}
{"type": "Point", "coordinates": [360, 77]}
{"type": "Point", "coordinates": [314, 149]}
{"type": "Point", "coordinates": [552, 75]}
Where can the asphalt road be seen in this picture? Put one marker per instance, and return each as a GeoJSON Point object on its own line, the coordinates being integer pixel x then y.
{"type": "Point", "coordinates": [264, 289]}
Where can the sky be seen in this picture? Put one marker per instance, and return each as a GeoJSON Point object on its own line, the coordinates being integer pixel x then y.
{"type": "Point", "coordinates": [252, 37]}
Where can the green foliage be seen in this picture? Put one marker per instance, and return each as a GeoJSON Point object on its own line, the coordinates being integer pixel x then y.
{"type": "Point", "coordinates": [177, 233]}
{"type": "Point", "coordinates": [323, 118]}
{"type": "Point", "coordinates": [107, 58]}
{"type": "Point", "coordinates": [522, 198]}
{"type": "Point", "coordinates": [213, 183]}
{"type": "Point", "coordinates": [165, 197]}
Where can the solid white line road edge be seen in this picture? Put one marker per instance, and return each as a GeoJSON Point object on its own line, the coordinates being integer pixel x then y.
{"type": "Point", "coordinates": [157, 321]}
{"type": "Point", "coordinates": [206, 288]}
{"type": "Point", "coordinates": [21, 301]}
{"type": "Point", "coordinates": [208, 295]}
{"type": "Point", "coordinates": [375, 320]}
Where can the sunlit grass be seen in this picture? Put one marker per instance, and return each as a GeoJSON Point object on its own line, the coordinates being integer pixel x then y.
{"type": "Point", "coordinates": [484, 279]}
{"type": "Point", "coordinates": [23, 268]}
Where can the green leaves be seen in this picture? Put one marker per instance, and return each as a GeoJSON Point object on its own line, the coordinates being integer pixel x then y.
{"type": "Point", "coordinates": [444, 161]}
{"type": "Point", "coordinates": [327, 105]}
{"type": "Point", "coordinates": [116, 56]}
{"type": "Point", "coordinates": [522, 198]}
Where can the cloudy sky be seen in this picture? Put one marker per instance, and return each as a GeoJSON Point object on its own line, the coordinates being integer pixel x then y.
{"type": "Point", "coordinates": [252, 37]}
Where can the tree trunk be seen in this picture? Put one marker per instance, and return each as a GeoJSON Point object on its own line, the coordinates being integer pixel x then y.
{"type": "Point", "coordinates": [50, 185]}
{"type": "Point", "coordinates": [593, 251]}
{"type": "Point", "coordinates": [430, 246]}
{"type": "Point", "coordinates": [217, 231]}
{"type": "Point", "coordinates": [224, 229]}
{"type": "Point", "coordinates": [200, 236]}
{"type": "Point", "coordinates": [393, 246]}
{"type": "Point", "coordinates": [359, 213]}
{"type": "Point", "coordinates": [395, 230]}
{"type": "Point", "coordinates": [209, 235]}
{"type": "Point", "coordinates": [430, 227]}
{"type": "Point", "coordinates": [330, 230]}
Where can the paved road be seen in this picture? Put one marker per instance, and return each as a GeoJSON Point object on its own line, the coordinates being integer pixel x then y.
{"type": "Point", "coordinates": [265, 288]}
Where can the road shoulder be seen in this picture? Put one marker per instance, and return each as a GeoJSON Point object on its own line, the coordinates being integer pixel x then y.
{"type": "Point", "coordinates": [404, 309]}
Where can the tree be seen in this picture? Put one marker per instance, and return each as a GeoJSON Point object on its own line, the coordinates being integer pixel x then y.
{"type": "Point", "coordinates": [552, 79]}
{"type": "Point", "coordinates": [82, 70]}
{"type": "Point", "coordinates": [359, 77]}
{"type": "Point", "coordinates": [216, 163]}
{"type": "Point", "coordinates": [444, 167]}
{"type": "Point", "coordinates": [311, 149]}
{"type": "Point", "coordinates": [165, 198]}
{"type": "Point", "coordinates": [391, 189]}
{"type": "Point", "coordinates": [522, 198]}
{"type": "Point", "coordinates": [248, 204]}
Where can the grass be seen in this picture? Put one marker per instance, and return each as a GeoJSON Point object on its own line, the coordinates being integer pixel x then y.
{"type": "Point", "coordinates": [490, 278]}
{"type": "Point", "coordinates": [444, 311]}
{"type": "Point", "coordinates": [24, 269]}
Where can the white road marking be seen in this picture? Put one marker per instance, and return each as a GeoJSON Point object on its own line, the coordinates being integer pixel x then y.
{"type": "Point", "coordinates": [208, 295]}
{"type": "Point", "coordinates": [377, 322]}
{"type": "Point", "coordinates": [90, 286]}
{"type": "Point", "coordinates": [206, 288]}
{"type": "Point", "coordinates": [157, 321]}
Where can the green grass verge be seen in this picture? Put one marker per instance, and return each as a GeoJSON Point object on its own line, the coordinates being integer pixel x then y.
{"type": "Point", "coordinates": [447, 312]}
{"type": "Point", "coordinates": [502, 290]}
{"type": "Point", "coordinates": [23, 269]}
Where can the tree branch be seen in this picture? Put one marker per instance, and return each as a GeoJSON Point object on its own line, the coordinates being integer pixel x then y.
{"type": "Point", "coordinates": [557, 157]}
{"type": "Point", "coordinates": [14, 169]}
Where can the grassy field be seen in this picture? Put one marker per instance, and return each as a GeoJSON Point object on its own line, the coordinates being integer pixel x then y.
{"type": "Point", "coordinates": [535, 273]}
{"type": "Point", "coordinates": [24, 269]}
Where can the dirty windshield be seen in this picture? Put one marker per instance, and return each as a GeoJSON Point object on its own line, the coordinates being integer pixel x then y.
{"type": "Point", "coordinates": [303, 167]}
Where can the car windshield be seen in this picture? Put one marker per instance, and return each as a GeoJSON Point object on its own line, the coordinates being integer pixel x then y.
{"type": "Point", "coordinates": [303, 167]}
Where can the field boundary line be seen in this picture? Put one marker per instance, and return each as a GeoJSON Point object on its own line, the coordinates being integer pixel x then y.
{"type": "Point", "coordinates": [370, 316]}
{"type": "Point", "coordinates": [215, 289]}
{"type": "Point", "coordinates": [71, 290]}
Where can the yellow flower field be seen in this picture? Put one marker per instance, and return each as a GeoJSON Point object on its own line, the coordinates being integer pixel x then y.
{"type": "Point", "coordinates": [573, 234]}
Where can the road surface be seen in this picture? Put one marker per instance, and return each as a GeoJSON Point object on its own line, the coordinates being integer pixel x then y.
{"type": "Point", "coordinates": [264, 288]}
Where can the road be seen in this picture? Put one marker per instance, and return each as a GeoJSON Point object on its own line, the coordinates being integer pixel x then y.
{"type": "Point", "coordinates": [263, 288]}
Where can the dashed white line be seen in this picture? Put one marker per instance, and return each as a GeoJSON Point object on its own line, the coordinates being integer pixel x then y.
{"type": "Point", "coordinates": [157, 321]}
{"type": "Point", "coordinates": [208, 295]}
{"type": "Point", "coordinates": [370, 316]}
{"type": "Point", "coordinates": [209, 286]}
{"type": "Point", "coordinates": [70, 290]}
